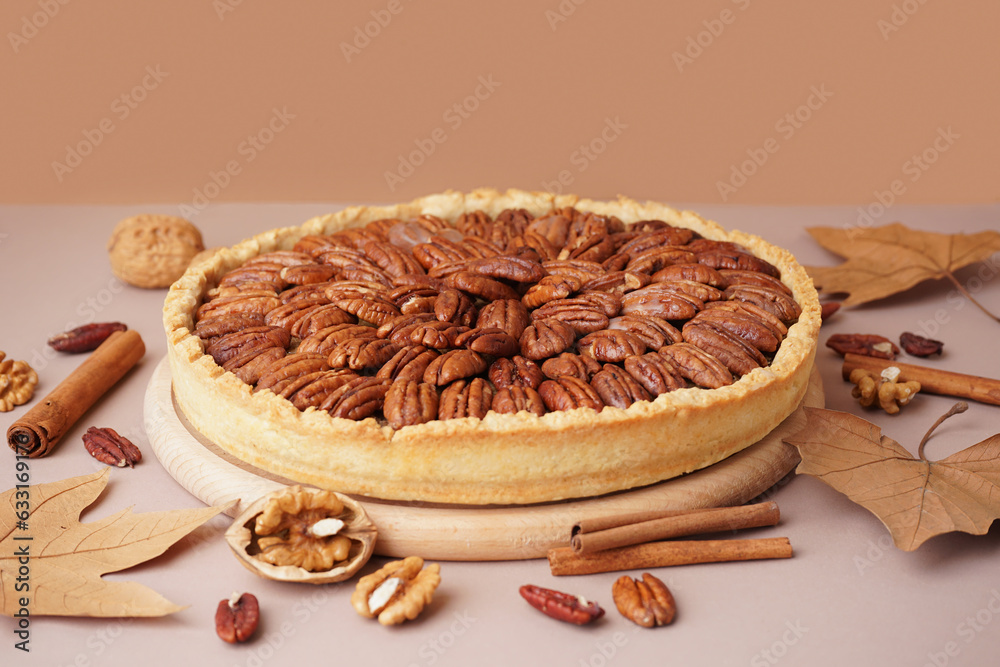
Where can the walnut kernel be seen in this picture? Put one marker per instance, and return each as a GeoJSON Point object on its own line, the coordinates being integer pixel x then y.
{"type": "Point", "coordinates": [17, 383]}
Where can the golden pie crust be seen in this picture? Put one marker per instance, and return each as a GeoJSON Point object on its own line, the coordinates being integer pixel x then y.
{"type": "Point", "coordinates": [500, 459]}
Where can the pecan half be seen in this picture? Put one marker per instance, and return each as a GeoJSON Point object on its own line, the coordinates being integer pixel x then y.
{"type": "Point", "coordinates": [653, 331]}
{"type": "Point", "coordinates": [569, 364]}
{"type": "Point", "coordinates": [697, 365]}
{"type": "Point", "coordinates": [737, 355]}
{"type": "Point", "coordinates": [454, 365]}
{"type": "Point", "coordinates": [454, 306]}
{"type": "Point", "coordinates": [324, 340]}
{"type": "Point", "coordinates": [773, 301]}
{"type": "Point", "coordinates": [618, 388]}
{"type": "Point", "coordinates": [919, 346]}
{"type": "Point", "coordinates": [508, 314]}
{"type": "Point", "coordinates": [546, 338]}
{"type": "Point", "coordinates": [568, 393]}
{"type": "Point", "coordinates": [358, 399]}
{"type": "Point", "coordinates": [869, 345]}
{"type": "Point", "coordinates": [465, 398]}
{"type": "Point", "coordinates": [548, 289]}
{"type": "Point", "coordinates": [743, 325]}
{"type": "Point", "coordinates": [741, 261]}
{"type": "Point", "coordinates": [513, 399]}
{"type": "Point", "coordinates": [319, 387]}
{"type": "Point", "coordinates": [84, 338]}
{"type": "Point", "coordinates": [647, 602]}
{"type": "Point", "coordinates": [697, 272]}
{"type": "Point", "coordinates": [408, 364]}
{"type": "Point", "coordinates": [290, 367]}
{"type": "Point", "coordinates": [307, 274]}
{"type": "Point", "coordinates": [561, 606]}
{"type": "Point", "coordinates": [236, 618]}
{"type": "Point", "coordinates": [105, 445]}
{"type": "Point", "coordinates": [665, 305]}
{"type": "Point", "coordinates": [436, 334]}
{"type": "Point", "coordinates": [494, 342]}
{"type": "Point", "coordinates": [612, 345]}
{"type": "Point", "coordinates": [408, 403]}
{"type": "Point", "coordinates": [583, 316]}
{"type": "Point", "coordinates": [507, 267]}
{"type": "Point", "coordinates": [487, 288]}
{"type": "Point", "coordinates": [220, 325]}
{"type": "Point", "coordinates": [376, 311]}
{"type": "Point", "coordinates": [361, 353]}
{"type": "Point", "coordinates": [397, 592]}
{"type": "Point", "coordinates": [515, 371]}
{"type": "Point", "coordinates": [654, 373]}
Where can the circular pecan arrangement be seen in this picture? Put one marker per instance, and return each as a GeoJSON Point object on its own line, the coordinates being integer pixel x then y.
{"type": "Point", "coordinates": [414, 320]}
{"type": "Point", "coordinates": [303, 534]}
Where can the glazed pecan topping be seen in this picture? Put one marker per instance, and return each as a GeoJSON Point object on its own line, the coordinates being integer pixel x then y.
{"type": "Point", "coordinates": [409, 320]}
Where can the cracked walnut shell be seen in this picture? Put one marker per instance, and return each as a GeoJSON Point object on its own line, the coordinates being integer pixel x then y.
{"type": "Point", "coordinates": [303, 534]}
{"type": "Point", "coordinates": [17, 383]}
{"type": "Point", "coordinates": [151, 250]}
{"type": "Point", "coordinates": [397, 592]}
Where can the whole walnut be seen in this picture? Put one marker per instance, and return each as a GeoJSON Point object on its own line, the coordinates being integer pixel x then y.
{"type": "Point", "coordinates": [152, 250]}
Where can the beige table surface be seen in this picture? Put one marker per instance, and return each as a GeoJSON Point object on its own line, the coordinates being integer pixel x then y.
{"type": "Point", "coordinates": [846, 598]}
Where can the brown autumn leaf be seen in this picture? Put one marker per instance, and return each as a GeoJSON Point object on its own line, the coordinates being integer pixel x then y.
{"type": "Point", "coordinates": [64, 559]}
{"type": "Point", "coordinates": [882, 261]}
{"type": "Point", "coordinates": [915, 498]}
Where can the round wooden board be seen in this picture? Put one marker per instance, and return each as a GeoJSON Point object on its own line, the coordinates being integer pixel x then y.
{"type": "Point", "coordinates": [448, 532]}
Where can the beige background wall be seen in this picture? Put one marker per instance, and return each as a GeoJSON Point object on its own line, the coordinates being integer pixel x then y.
{"type": "Point", "coordinates": [722, 101]}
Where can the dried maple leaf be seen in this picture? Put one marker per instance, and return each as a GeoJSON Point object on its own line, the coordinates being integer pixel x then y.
{"type": "Point", "coordinates": [882, 261]}
{"type": "Point", "coordinates": [64, 559]}
{"type": "Point", "coordinates": [915, 498]}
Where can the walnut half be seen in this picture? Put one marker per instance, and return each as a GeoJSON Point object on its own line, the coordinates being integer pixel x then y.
{"type": "Point", "coordinates": [303, 534]}
{"type": "Point", "coordinates": [397, 592]}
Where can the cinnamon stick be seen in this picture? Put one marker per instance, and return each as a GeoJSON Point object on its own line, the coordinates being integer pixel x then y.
{"type": "Point", "coordinates": [565, 561]}
{"type": "Point", "coordinates": [932, 380]}
{"type": "Point", "coordinates": [37, 432]}
{"type": "Point", "coordinates": [677, 524]}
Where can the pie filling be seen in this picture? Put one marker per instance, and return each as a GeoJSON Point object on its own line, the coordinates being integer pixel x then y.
{"type": "Point", "coordinates": [409, 321]}
{"type": "Point", "coordinates": [463, 310]}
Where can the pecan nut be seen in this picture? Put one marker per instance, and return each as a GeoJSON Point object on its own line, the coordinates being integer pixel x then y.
{"type": "Point", "coordinates": [487, 288]}
{"type": "Point", "coordinates": [568, 393]}
{"type": "Point", "coordinates": [407, 364]}
{"type": "Point", "coordinates": [454, 365]}
{"type": "Point", "coordinates": [454, 306]}
{"type": "Point", "coordinates": [561, 606]}
{"type": "Point", "coordinates": [85, 338]}
{"type": "Point", "coordinates": [646, 602]}
{"type": "Point", "coordinates": [107, 446]}
{"type": "Point", "coordinates": [494, 342]}
{"type": "Point", "coordinates": [919, 346]}
{"type": "Point", "coordinates": [398, 592]}
{"type": "Point", "coordinates": [515, 371]}
{"type": "Point", "coordinates": [408, 403]}
{"type": "Point", "coordinates": [869, 345]}
{"type": "Point", "coordinates": [513, 399]}
{"type": "Point", "coordinates": [618, 388]}
{"type": "Point", "coordinates": [508, 314]}
{"type": "Point", "coordinates": [465, 398]}
{"type": "Point", "coordinates": [546, 338]}
{"type": "Point", "coordinates": [236, 618]}
{"type": "Point", "coordinates": [17, 383]}
{"type": "Point", "coordinates": [614, 345]}
{"type": "Point", "coordinates": [572, 365]}
{"type": "Point", "coordinates": [693, 363]}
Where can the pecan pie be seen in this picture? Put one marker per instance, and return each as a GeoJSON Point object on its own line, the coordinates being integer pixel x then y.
{"type": "Point", "coordinates": [492, 348]}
